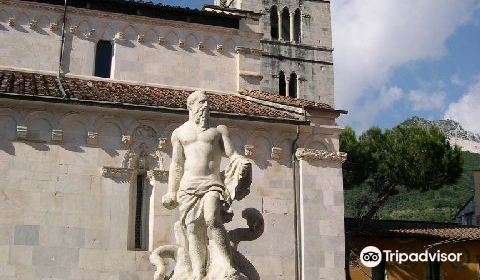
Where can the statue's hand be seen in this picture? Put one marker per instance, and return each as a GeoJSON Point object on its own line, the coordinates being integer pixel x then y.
{"type": "Point", "coordinates": [169, 200]}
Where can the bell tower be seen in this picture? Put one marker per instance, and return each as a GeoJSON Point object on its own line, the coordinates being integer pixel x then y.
{"type": "Point", "coordinates": [297, 58]}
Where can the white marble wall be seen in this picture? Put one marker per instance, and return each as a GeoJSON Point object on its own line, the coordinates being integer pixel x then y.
{"type": "Point", "coordinates": [146, 50]}
{"type": "Point", "coordinates": [61, 218]}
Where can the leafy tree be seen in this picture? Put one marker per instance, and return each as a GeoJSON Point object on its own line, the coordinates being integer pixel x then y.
{"type": "Point", "coordinates": [407, 157]}
{"type": "Point", "coordinates": [411, 158]}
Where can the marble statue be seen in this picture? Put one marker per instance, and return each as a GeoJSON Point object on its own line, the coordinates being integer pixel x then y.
{"type": "Point", "coordinates": [203, 194]}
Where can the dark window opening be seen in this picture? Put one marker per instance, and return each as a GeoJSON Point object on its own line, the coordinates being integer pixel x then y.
{"type": "Point", "coordinates": [297, 26]}
{"type": "Point", "coordinates": [286, 24]}
{"type": "Point", "coordinates": [274, 23]}
{"type": "Point", "coordinates": [292, 86]}
{"type": "Point", "coordinates": [103, 59]}
{"type": "Point", "coordinates": [282, 84]}
{"type": "Point", "coordinates": [433, 271]}
{"type": "Point", "coordinates": [139, 242]}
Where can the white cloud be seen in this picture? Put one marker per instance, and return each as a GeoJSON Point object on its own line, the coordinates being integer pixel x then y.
{"type": "Point", "coordinates": [373, 38]}
{"type": "Point", "coordinates": [426, 101]}
{"type": "Point", "coordinates": [377, 104]}
{"type": "Point", "coordinates": [467, 110]}
{"type": "Point", "coordinates": [456, 80]}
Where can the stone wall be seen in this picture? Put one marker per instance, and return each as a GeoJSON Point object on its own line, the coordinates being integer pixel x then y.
{"type": "Point", "coordinates": [145, 50]}
{"type": "Point", "coordinates": [66, 194]}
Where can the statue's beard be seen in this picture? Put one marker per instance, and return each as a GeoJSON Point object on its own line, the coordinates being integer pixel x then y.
{"type": "Point", "coordinates": [200, 117]}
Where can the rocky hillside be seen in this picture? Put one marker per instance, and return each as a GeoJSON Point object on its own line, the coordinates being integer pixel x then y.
{"type": "Point", "coordinates": [467, 140]}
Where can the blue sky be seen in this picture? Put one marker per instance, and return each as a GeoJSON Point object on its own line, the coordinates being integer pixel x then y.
{"type": "Point", "coordinates": [395, 59]}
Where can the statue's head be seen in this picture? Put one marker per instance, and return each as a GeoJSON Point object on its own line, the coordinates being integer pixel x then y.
{"type": "Point", "coordinates": [198, 108]}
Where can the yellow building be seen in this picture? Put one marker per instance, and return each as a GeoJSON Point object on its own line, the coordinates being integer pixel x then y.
{"type": "Point", "coordinates": [414, 237]}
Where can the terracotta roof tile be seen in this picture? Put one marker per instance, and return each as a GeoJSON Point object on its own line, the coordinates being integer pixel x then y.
{"type": "Point", "coordinates": [33, 84]}
{"type": "Point", "coordinates": [410, 229]}
{"type": "Point", "coordinates": [285, 100]}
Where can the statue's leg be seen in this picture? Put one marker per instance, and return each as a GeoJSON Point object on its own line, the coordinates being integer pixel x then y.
{"type": "Point", "coordinates": [197, 248]}
{"type": "Point", "coordinates": [214, 221]}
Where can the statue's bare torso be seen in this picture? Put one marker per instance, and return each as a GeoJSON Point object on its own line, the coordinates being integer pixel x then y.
{"type": "Point", "coordinates": [202, 151]}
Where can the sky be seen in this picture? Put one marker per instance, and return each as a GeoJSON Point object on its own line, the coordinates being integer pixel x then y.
{"type": "Point", "coordinates": [394, 59]}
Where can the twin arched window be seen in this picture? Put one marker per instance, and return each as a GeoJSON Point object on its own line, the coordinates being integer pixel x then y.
{"type": "Point", "coordinates": [285, 25]}
{"type": "Point", "coordinates": [291, 89]}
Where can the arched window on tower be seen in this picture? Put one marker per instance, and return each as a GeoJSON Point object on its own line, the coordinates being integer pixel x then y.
{"type": "Point", "coordinates": [285, 24]}
{"type": "Point", "coordinates": [297, 26]}
{"type": "Point", "coordinates": [274, 23]}
{"type": "Point", "coordinates": [282, 84]}
{"type": "Point", "coordinates": [292, 86]}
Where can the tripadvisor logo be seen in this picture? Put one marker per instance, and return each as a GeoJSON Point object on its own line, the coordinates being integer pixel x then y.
{"type": "Point", "coordinates": [371, 256]}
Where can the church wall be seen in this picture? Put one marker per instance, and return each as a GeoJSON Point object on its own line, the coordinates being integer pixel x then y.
{"type": "Point", "coordinates": [145, 50]}
{"type": "Point", "coordinates": [62, 217]}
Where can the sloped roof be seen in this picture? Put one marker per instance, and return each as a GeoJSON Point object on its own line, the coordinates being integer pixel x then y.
{"type": "Point", "coordinates": [412, 229]}
{"type": "Point", "coordinates": [19, 84]}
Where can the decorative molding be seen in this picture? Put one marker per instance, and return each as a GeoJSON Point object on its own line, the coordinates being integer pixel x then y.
{"type": "Point", "coordinates": [181, 43]}
{"type": "Point", "coordinates": [120, 36]}
{"type": "Point", "coordinates": [92, 138]}
{"type": "Point", "coordinates": [276, 153]}
{"type": "Point", "coordinates": [90, 34]}
{"type": "Point", "coordinates": [33, 24]}
{"type": "Point", "coordinates": [53, 27]}
{"type": "Point", "coordinates": [251, 74]}
{"type": "Point", "coordinates": [162, 143]}
{"type": "Point", "coordinates": [249, 150]}
{"type": "Point", "coordinates": [73, 29]}
{"type": "Point", "coordinates": [124, 174]}
{"type": "Point", "coordinates": [161, 40]}
{"type": "Point", "coordinates": [141, 38]}
{"type": "Point", "coordinates": [22, 132]}
{"type": "Point", "coordinates": [158, 175]}
{"type": "Point", "coordinates": [220, 48]}
{"type": "Point", "coordinates": [313, 154]}
{"type": "Point", "coordinates": [246, 50]}
{"type": "Point", "coordinates": [57, 135]}
{"type": "Point", "coordinates": [11, 21]}
{"type": "Point", "coordinates": [126, 140]}
{"type": "Point", "coordinates": [201, 46]}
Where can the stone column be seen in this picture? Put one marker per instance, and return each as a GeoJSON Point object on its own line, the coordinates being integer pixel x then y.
{"type": "Point", "coordinates": [292, 27]}
{"type": "Point", "coordinates": [321, 214]}
{"type": "Point", "coordinates": [279, 12]}
{"type": "Point", "coordinates": [287, 88]}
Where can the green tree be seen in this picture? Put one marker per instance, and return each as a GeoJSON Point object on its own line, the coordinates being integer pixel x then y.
{"type": "Point", "coordinates": [407, 157]}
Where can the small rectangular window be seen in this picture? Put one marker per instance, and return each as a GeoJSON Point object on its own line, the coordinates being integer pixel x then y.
{"type": "Point", "coordinates": [103, 59]}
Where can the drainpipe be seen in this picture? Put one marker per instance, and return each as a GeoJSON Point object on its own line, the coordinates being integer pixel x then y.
{"type": "Point", "coordinates": [296, 215]}
{"type": "Point", "coordinates": [62, 45]}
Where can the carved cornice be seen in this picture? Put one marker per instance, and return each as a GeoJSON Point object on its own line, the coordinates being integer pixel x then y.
{"type": "Point", "coordinates": [22, 132]}
{"type": "Point", "coordinates": [313, 154]}
{"type": "Point", "coordinates": [117, 173]}
{"type": "Point", "coordinates": [158, 175]}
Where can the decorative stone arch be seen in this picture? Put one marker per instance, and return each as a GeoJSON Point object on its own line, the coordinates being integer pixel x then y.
{"type": "Point", "coordinates": [105, 32]}
{"type": "Point", "coordinates": [172, 38]}
{"type": "Point", "coordinates": [85, 30]}
{"type": "Point", "coordinates": [129, 32]}
{"type": "Point", "coordinates": [40, 125]}
{"type": "Point", "coordinates": [4, 15]}
{"type": "Point", "coordinates": [238, 139]}
{"type": "Point", "coordinates": [15, 115]}
{"type": "Point", "coordinates": [209, 42]}
{"type": "Point", "coordinates": [316, 142]}
{"type": "Point", "coordinates": [254, 138]}
{"type": "Point", "coordinates": [191, 41]}
{"type": "Point", "coordinates": [102, 120]}
{"type": "Point", "coordinates": [74, 129]}
{"type": "Point", "coordinates": [21, 18]}
{"type": "Point", "coordinates": [150, 36]}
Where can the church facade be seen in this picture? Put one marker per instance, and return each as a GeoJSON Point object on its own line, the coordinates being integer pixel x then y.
{"type": "Point", "coordinates": [89, 96]}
